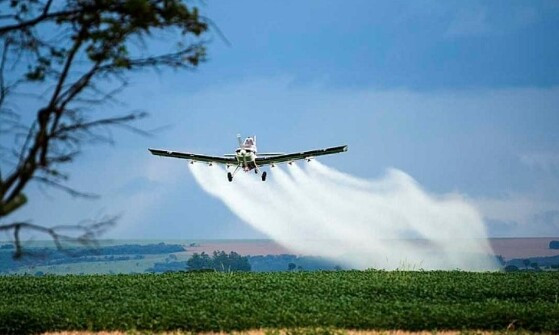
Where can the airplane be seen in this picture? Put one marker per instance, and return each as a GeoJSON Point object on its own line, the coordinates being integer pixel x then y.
{"type": "Point", "coordinates": [246, 158]}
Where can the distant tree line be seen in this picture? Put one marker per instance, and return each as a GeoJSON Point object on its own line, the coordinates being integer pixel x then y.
{"type": "Point", "coordinates": [532, 264]}
{"type": "Point", "coordinates": [288, 262]}
{"type": "Point", "coordinates": [219, 261]}
{"type": "Point", "coordinates": [50, 256]}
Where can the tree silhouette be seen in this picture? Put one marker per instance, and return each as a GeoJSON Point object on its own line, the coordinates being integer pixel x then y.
{"type": "Point", "coordinates": [78, 53]}
{"type": "Point", "coordinates": [219, 261]}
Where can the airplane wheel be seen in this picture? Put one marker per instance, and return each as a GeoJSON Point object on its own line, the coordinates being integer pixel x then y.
{"type": "Point", "coordinates": [264, 176]}
{"type": "Point", "coordinates": [229, 176]}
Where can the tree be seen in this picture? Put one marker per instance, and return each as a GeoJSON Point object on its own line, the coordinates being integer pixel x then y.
{"type": "Point", "coordinates": [224, 262]}
{"type": "Point", "coordinates": [291, 266]}
{"type": "Point", "coordinates": [79, 53]}
{"type": "Point", "coordinates": [199, 261]}
{"type": "Point", "coordinates": [220, 261]}
{"type": "Point", "coordinates": [238, 262]}
{"type": "Point", "coordinates": [526, 263]}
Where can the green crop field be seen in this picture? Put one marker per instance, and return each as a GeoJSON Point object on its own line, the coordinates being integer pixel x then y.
{"type": "Point", "coordinates": [239, 301]}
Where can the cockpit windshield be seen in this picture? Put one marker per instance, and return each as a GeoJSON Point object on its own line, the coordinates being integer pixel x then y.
{"type": "Point", "coordinates": [249, 142]}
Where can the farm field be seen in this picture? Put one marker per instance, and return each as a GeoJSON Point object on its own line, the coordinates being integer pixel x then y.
{"type": "Point", "coordinates": [300, 331]}
{"type": "Point", "coordinates": [210, 301]}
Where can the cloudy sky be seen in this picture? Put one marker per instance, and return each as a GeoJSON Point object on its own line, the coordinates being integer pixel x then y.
{"type": "Point", "coordinates": [463, 96]}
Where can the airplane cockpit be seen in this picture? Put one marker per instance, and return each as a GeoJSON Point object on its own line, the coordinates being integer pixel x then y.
{"type": "Point", "coordinates": [249, 142]}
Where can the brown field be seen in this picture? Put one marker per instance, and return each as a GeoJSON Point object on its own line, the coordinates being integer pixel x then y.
{"type": "Point", "coordinates": [509, 248]}
{"type": "Point", "coordinates": [523, 247]}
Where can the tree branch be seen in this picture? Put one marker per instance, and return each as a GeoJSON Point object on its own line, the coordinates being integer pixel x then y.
{"type": "Point", "coordinates": [119, 120]}
{"type": "Point", "coordinates": [67, 189]}
{"type": "Point", "coordinates": [86, 233]}
{"type": "Point", "coordinates": [89, 43]}
{"type": "Point", "coordinates": [23, 174]}
{"type": "Point", "coordinates": [44, 16]}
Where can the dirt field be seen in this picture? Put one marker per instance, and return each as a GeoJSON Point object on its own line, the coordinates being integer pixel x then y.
{"type": "Point", "coordinates": [523, 247]}
{"type": "Point", "coordinates": [507, 247]}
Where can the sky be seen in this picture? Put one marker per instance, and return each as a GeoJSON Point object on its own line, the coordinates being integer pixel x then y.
{"type": "Point", "coordinates": [462, 96]}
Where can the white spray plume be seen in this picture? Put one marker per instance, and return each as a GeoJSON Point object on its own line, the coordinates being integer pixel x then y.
{"type": "Point", "coordinates": [388, 223]}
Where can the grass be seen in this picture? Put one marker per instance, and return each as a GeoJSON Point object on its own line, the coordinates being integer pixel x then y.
{"type": "Point", "coordinates": [243, 301]}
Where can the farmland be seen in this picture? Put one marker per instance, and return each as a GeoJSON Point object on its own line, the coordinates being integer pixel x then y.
{"type": "Point", "coordinates": [211, 301]}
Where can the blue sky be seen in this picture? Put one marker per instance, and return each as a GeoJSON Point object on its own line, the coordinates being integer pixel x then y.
{"type": "Point", "coordinates": [463, 96]}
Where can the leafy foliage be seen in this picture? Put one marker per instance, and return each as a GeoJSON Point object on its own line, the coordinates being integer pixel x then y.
{"type": "Point", "coordinates": [235, 301]}
{"type": "Point", "coordinates": [219, 261]}
{"type": "Point", "coordinates": [78, 53]}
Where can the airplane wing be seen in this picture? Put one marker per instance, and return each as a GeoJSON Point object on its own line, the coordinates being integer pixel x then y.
{"type": "Point", "coordinates": [299, 155]}
{"type": "Point", "coordinates": [194, 157]}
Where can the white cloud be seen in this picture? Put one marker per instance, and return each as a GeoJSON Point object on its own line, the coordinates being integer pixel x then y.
{"type": "Point", "coordinates": [520, 215]}
{"type": "Point", "coordinates": [544, 161]}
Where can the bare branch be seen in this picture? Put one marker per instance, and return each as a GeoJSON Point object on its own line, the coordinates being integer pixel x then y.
{"type": "Point", "coordinates": [85, 233]}
{"type": "Point", "coordinates": [119, 121]}
{"type": "Point", "coordinates": [67, 189]}
{"type": "Point", "coordinates": [3, 88]}
{"type": "Point", "coordinates": [62, 78]}
{"type": "Point", "coordinates": [43, 17]}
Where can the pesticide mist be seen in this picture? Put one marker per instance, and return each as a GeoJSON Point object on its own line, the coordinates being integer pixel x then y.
{"type": "Point", "coordinates": [387, 223]}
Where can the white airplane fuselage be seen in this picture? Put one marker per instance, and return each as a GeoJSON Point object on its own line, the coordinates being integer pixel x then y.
{"type": "Point", "coordinates": [246, 154]}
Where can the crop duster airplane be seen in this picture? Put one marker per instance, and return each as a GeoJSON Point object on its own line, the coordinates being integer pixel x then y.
{"type": "Point", "coordinates": [245, 157]}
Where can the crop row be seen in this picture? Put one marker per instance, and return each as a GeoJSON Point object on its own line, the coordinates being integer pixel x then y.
{"type": "Point", "coordinates": [237, 301]}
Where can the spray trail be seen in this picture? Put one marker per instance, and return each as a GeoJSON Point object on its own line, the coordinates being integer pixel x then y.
{"type": "Point", "coordinates": [386, 223]}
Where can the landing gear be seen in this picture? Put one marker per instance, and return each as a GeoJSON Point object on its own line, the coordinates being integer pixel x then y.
{"type": "Point", "coordinates": [264, 176]}
{"type": "Point", "coordinates": [230, 175]}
